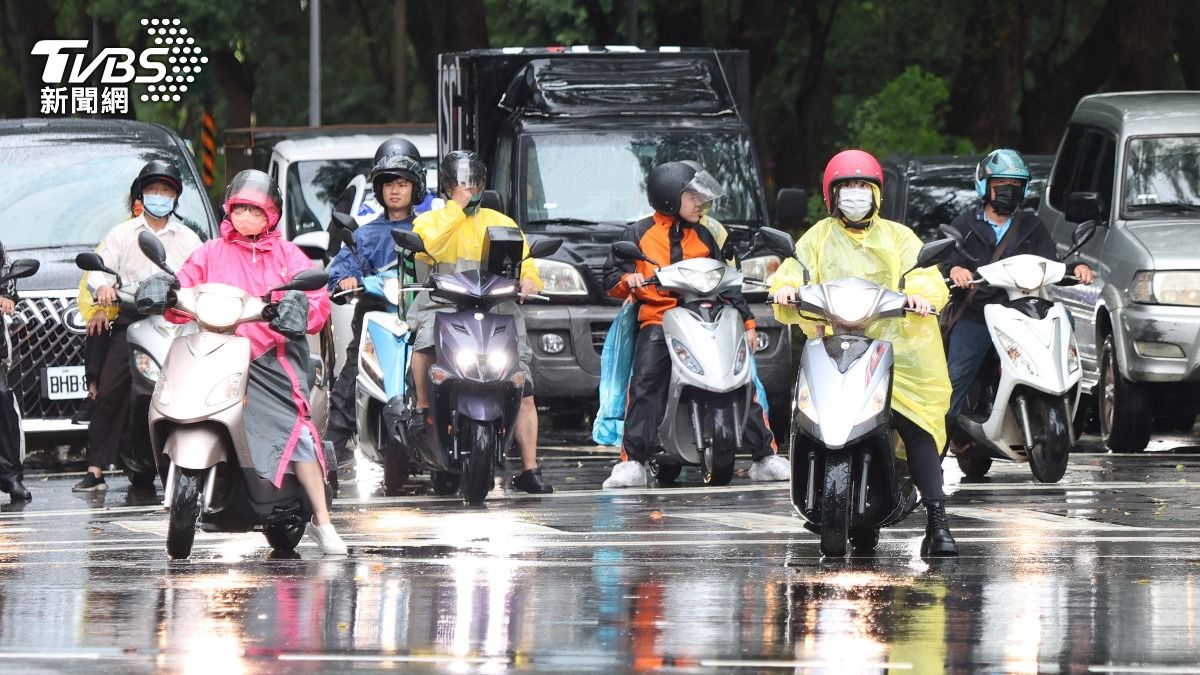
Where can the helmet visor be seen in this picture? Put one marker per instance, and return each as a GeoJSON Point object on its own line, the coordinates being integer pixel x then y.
{"type": "Point", "coordinates": [464, 171]}
{"type": "Point", "coordinates": [257, 189]}
{"type": "Point", "coordinates": [705, 186]}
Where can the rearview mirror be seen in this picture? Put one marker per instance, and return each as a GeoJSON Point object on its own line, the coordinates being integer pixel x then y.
{"type": "Point", "coordinates": [930, 254]}
{"type": "Point", "coordinates": [791, 207]}
{"type": "Point", "coordinates": [314, 244]}
{"type": "Point", "coordinates": [627, 250]}
{"type": "Point", "coordinates": [24, 267]}
{"type": "Point", "coordinates": [306, 280]}
{"type": "Point", "coordinates": [153, 249]}
{"type": "Point", "coordinates": [89, 261]}
{"type": "Point", "coordinates": [776, 241]}
{"type": "Point", "coordinates": [347, 237]}
{"type": "Point", "coordinates": [948, 232]}
{"type": "Point", "coordinates": [543, 248]}
{"type": "Point", "coordinates": [345, 220]}
{"type": "Point", "coordinates": [1082, 234]}
{"type": "Point", "coordinates": [1083, 206]}
{"type": "Point", "coordinates": [408, 240]}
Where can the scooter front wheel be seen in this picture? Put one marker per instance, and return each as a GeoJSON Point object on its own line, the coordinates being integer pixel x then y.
{"type": "Point", "coordinates": [718, 457]}
{"type": "Point", "coordinates": [835, 505]}
{"type": "Point", "coordinates": [1050, 454]}
{"type": "Point", "coordinates": [479, 475]}
{"type": "Point", "coordinates": [185, 511]}
{"type": "Point", "coordinates": [975, 464]}
{"type": "Point", "coordinates": [664, 473]}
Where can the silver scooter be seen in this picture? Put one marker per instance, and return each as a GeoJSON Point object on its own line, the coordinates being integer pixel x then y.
{"type": "Point", "coordinates": [711, 387]}
{"type": "Point", "coordinates": [847, 480]}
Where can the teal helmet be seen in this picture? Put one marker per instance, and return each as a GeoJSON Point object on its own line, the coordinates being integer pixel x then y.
{"type": "Point", "coordinates": [1001, 163]}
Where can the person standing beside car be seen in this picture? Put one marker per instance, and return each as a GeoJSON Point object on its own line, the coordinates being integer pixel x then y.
{"type": "Point", "coordinates": [994, 230]}
{"type": "Point", "coordinates": [11, 439]}
{"type": "Point", "coordinates": [160, 185]}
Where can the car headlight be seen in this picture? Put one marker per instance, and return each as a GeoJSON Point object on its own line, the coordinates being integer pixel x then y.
{"type": "Point", "coordinates": [145, 365]}
{"type": "Point", "coordinates": [1015, 355]}
{"type": "Point", "coordinates": [369, 359]}
{"type": "Point", "coordinates": [804, 403]}
{"type": "Point", "coordinates": [762, 268]}
{"type": "Point", "coordinates": [703, 282]}
{"type": "Point", "coordinates": [685, 357]}
{"type": "Point", "coordinates": [225, 391]}
{"type": "Point", "coordinates": [560, 278]}
{"type": "Point", "coordinates": [877, 402]}
{"type": "Point", "coordinates": [1166, 288]}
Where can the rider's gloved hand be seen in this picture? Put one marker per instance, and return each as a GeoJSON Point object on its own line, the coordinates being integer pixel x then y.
{"type": "Point", "coordinates": [289, 316]}
{"type": "Point", "coordinates": [156, 294]}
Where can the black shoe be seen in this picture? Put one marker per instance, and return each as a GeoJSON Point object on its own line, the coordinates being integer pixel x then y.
{"type": "Point", "coordinates": [84, 414]}
{"type": "Point", "coordinates": [345, 457]}
{"type": "Point", "coordinates": [90, 483]}
{"type": "Point", "coordinates": [531, 481]}
{"type": "Point", "coordinates": [938, 541]}
{"type": "Point", "coordinates": [418, 428]}
{"type": "Point", "coordinates": [16, 490]}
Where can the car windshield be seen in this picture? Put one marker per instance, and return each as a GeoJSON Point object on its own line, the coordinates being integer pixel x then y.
{"type": "Point", "coordinates": [936, 199]}
{"type": "Point", "coordinates": [60, 189]}
{"type": "Point", "coordinates": [601, 177]}
{"type": "Point", "coordinates": [312, 188]}
{"type": "Point", "coordinates": [1162, 173]}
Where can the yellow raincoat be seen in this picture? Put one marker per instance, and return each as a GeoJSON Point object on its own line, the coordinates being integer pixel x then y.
{"type": "Point", "coordinates": [452, 237]}
{"type": "Point", "coordinates": [921, 383]}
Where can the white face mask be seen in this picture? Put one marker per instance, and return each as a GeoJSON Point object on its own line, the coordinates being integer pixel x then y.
{"type": "Point", "coordinates": [855, 203]}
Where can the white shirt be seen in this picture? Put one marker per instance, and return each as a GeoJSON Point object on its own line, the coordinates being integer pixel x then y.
{"type": "Point", "coordinates": [121, 253]}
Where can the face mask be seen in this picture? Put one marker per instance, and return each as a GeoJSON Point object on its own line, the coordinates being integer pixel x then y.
{"type": "Point", "coordinates": [473, 205]}
{"type": "Point", "coordinates": [159, 206]}
{"type": "Point", "coordinates": [855, 203]}
{"type": "Point", "coordinates": [1007, 199]}
{"type": "Point", "coordinates": [248, 225]}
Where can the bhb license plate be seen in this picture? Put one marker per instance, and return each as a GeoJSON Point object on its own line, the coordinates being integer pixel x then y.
{"type": "Point", "coordinates": [61, 383]}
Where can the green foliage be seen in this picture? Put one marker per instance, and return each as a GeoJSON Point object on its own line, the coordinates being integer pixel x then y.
{"type": "Point", "coordinates": [906, 116]}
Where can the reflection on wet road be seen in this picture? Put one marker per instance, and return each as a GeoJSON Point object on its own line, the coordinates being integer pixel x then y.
{"type": "Point", "coordinates": [1097, 574]}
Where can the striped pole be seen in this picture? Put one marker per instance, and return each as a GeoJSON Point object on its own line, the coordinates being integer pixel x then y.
{"type": "Point", "coordinates": [208, 149]}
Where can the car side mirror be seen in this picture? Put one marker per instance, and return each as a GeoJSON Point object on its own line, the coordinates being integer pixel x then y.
{"type": "Point", "coordinates": [1084, 206]}
{"type": "Point", "coordinates": [791, 207]}
{"type": "Point", "coordinates": [23, 267]}
{"type": "Point", "coordinates": [543, 248]}
{"type": "Point", "coordinates": [408, 240]}
{"type": "Point", "coordinates": [152, 248]}
{"type": "Point", "coordinates": [627, 250]}
{"type": "Point", "coordinates": [306, 280]}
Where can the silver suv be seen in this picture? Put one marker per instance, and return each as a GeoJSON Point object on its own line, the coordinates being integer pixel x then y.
{"type": "Point", "coordinates": [1132, 162]}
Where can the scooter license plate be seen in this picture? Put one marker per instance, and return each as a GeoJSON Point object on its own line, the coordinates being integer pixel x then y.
{"type": "Point", "coordinates": [63, 383]}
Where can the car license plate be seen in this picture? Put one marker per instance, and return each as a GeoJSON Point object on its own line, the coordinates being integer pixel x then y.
{"type": "Point", "coordinates": [63, 383]}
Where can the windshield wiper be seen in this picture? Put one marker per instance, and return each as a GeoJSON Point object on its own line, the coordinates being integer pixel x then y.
{"type": "Point", "coordinates": [1183, 206]}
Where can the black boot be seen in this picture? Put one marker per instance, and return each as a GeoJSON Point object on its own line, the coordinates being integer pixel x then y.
{"type": "Point", "coordinates": [16, 490]}
{"type": "Point", "coordinates": [938, 541]}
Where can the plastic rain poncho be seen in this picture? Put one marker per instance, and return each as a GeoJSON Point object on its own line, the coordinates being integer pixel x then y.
{"type": "Point", "coordinates": [921, 384]}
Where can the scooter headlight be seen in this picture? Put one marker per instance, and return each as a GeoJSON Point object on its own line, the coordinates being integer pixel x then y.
{"type": "Point", "coordinates": [685, 357]}
{"type": "Point", "coordinates": [804, 403]}
{"type": "Point", "coordinates": [703, 282]}
{"type": "Point", "coordinates": [145, 365]}
{"type": "Point", "coordinates": [467, 362]}
{"type": "Point", "coordinates": [1072, 357]}
{"type": "Point", "coordinates": [369, 359]}
{"type": "Point", "coordinates": [1015, 356]}
{"type": "Point", "coordinates": [225, 391]}
{"type": "Point", "coordinates": [876, 404]}
{"type": "Point", "coordinates": [498, 362]}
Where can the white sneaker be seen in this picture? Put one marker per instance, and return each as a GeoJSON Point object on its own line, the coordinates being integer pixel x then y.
{"type": "Point", "coordinates": [771, 468]}
{"type": "Point", "coordinates": [327, 539]}
{"type": "Point", "coordinates": [626, 475]}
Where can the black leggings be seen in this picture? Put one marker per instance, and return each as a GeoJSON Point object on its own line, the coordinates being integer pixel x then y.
{"type": "Point", "coordinates": [924, 461]}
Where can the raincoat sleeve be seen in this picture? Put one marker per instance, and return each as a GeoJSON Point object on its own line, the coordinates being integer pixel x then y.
{"type": "Point", "coordinates": [344, 266]}
{"type": "Point", "coordinates": [110, 252]}
{"type": "Point", "coordinates": [791, 273]}
{"type": "Point", "coordinates": [87, 303]}
{"type": "Point", "coordinates": [437, 231]}
{"type": "Point", "coordinates": [318, 301]}
{"type": "Point", "coordinates": [926, 282]}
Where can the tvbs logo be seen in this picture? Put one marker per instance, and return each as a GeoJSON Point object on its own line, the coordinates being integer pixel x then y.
{"type": "Point", "coordinates": [167, 69]}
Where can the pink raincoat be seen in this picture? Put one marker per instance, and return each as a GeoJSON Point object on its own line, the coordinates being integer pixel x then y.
{"type": "Point", "coordinates": [256, 267]}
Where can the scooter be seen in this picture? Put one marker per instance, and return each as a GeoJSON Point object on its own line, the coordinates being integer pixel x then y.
{"type": "Point", "coordinates": [380, 387]}
{"type": "Point", "coordinates": [197, 428]}
{"type": "Point", "coordinates": [476, 381]}
{"type": "Point", "coordinates": [21, 268]}
{"type": "Point", "coordinates": [1026, 393]}
{"type": "Point", "coordinates": [847, 479]}
{"type": "Point", "coordinates": [711, 387]}
{"type": "Point", "coordinates": [149, 339]}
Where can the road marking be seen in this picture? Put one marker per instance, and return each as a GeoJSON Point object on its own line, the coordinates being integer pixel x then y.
{"type": "Point", "coordinates": [1108, 668]}
{"type": "Point", "coordinates": [399, 658]}
{"type": "Point", "coordinates": [1027, 518]}
{"type": "Point", "coordinates": [832, 665]}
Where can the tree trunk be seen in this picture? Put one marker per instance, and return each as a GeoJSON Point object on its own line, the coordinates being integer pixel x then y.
{"type": "Point", "coordinates": [1187, 27]}
{"type": "Point", "coordinates": [1144, 54]}
{"type": "Point", "coordinates": [236, 80]}
{"type": "Point", "coordinates": [680, 23]}
{"type": "Point", "coordinates": [400, 59]}
{"type": "Point", "coordinates": [758, 29]}
{"type": "Point", "coordinates": [987, 84]}
{"type": "Point", "coordinates": [31, 22]}
{"type": "Point", "coordinates": [437, 32]}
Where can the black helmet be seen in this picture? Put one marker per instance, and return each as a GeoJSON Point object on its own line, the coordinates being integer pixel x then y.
{"type": "Point", "coordinates": [666, 184]}
{"type": "Point", "coordinates": [391, 167]}
{"type": "Point", "coordinates": [158, 169]}
{"type": "Point", "coordinates": [461, 167]}
{"type": "Point", "coordinates": [397, 145]}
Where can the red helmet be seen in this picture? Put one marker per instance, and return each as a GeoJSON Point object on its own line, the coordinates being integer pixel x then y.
{"type": "Point", "coordinates": [850, 165]}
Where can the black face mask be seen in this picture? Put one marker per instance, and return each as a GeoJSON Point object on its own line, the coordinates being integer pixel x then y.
{"type": "Point", "coordinates": [1007, 199]}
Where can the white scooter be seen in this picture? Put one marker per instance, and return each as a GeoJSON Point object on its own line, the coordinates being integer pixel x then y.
{"type": "Point", "coordinates": [1025, 394]}
{"type": "Point", "coordinates": [711, 386]}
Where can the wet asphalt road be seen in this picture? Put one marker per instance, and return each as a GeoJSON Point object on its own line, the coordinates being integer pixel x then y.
{"type": "Point", "coordinates": [1100, 573]}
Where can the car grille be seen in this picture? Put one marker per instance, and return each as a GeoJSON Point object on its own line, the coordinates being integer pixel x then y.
{"type": "Point", "coordinates": [599, 334]}
{"type": "Point", "coordinates": [598, 276]}
{"type": "Point", "coordinates": [41, 338]}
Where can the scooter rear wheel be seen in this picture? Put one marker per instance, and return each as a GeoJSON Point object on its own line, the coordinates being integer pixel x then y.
{"type": "Point", "coordinates": [974, 464]}
{"type": "Point", "coordinates": [479, 474]}
{"type": "Point", "coordinates": [185, 511]}
{"type": "Point", "coordinates": [1050, 454]}
{"type": "Point", "coordinates": [284, 536]}
{"type": "Point", "coordinates": [664, 473]}
{"type": "Point", "coordinates": [835, 505]}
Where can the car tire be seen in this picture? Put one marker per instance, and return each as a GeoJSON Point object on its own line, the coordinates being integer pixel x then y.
{"type": "Point", "coordinates": [1124, 406]}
